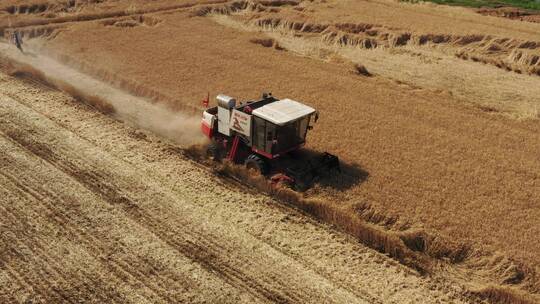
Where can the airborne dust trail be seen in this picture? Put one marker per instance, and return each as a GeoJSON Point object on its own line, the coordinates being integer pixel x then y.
{"type": "Point", "coordinates": [179, 127]}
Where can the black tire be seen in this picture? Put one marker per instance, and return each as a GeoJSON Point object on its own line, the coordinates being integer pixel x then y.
{"type": "Point", "coordinates": [257, 163]}
{"type": "Point", "coordinates": [214, 152]}
{"type": "Point", "coordinates": [303, 183]}
{"type": "Point", "coordinates": [300, 187]}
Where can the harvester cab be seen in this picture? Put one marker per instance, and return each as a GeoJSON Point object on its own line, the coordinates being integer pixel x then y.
{"type": "Point", "coordinates": [263, 134]}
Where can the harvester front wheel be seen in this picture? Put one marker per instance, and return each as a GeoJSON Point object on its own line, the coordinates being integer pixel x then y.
{"type": "Point", "coordinates": [256, 163]}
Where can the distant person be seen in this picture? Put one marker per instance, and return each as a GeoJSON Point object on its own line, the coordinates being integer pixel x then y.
{"type": "Point", "coordinates": [17, 39]}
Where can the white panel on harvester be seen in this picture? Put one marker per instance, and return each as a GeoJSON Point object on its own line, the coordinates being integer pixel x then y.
{"type": "Point", "coordinates": [225, 105]}
{"type": "Point", "coordinates": [223, 121]}
{"type": "Point", "coordinates": [283, 111]}
{"type": "Point", "coordinates": [241, 122]}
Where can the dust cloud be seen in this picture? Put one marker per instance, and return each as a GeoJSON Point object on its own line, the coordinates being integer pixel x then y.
{"type": "Point", "coordinates": [179, 127]}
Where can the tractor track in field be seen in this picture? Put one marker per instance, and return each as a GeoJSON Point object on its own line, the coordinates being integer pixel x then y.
{"type": "Point", "coordinates": [62, 219]}
{"type": "Point", "coordinates": [121, 269]}
{"type": "Point", "coordinates": [53, 268]}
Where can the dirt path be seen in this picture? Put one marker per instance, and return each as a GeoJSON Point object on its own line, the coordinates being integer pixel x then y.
{"type": "Point", "coordinates": [96, 211]}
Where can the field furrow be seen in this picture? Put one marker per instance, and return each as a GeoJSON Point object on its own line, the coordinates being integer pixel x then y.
{"type": "Point", "coordinates": [40, 202]}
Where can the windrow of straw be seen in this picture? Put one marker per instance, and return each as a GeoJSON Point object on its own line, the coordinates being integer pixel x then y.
{"type": "Point", "coordinates": [415, 248]}
{"type": "Point", "coordinates": [503, 295]}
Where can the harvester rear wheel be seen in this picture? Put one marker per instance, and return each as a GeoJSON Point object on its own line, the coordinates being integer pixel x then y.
{"type": "Point", "coordinates": [256, 163]}
{"type": "Point", "coordinates": [214, 152]}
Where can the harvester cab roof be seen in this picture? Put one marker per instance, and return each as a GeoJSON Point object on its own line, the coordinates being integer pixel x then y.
{"type": "Point", "coordinates": [283, 111]}
{"type": "Point", "coordinates": [257, 132]}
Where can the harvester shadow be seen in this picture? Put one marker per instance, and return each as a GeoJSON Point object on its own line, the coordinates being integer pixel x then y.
{"type": "Point", "coordinates": [350, 175]}
{"type": "Point", "coordinates": [343, 177]}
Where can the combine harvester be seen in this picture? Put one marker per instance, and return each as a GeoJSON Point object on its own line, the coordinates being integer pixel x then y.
{"type": "Point", "coordinates": [266, 136]}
